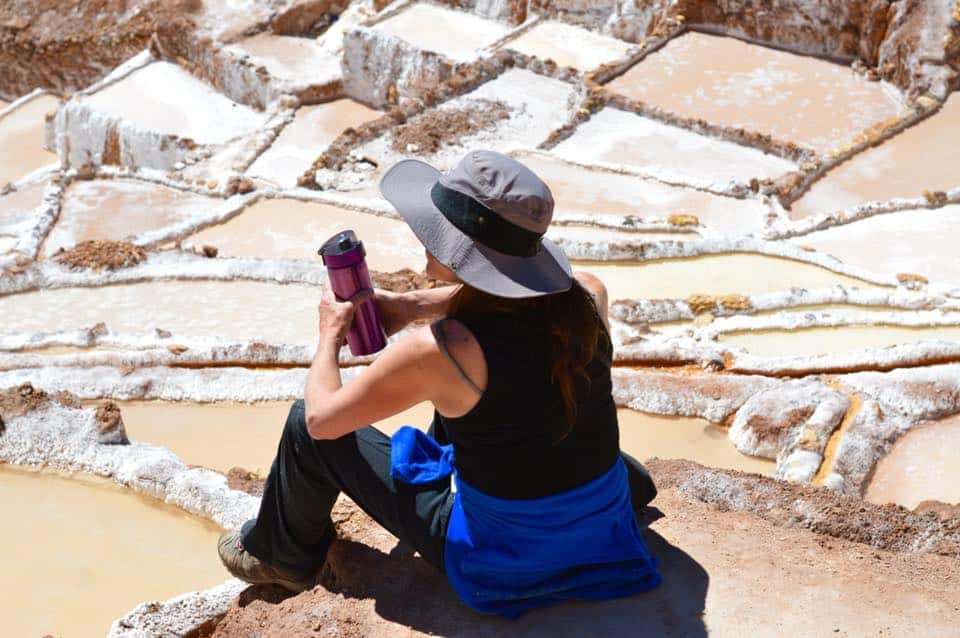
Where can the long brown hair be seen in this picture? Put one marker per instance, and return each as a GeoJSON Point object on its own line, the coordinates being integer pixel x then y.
{"type": "Point", "coordinates": [573, 326]}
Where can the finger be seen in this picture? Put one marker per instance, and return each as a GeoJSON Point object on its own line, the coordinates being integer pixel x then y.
{"type": "Point", "coordinates": [362, 295]}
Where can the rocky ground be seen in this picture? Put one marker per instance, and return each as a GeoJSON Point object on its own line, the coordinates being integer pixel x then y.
{"type": "Point", "coordinates": [727, 571]}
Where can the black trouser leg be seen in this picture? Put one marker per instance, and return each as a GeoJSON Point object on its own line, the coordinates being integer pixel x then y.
{"type": "Point", "coordinates": [642, 489]}
{"type": "Point", "coordinates": [293, 529]}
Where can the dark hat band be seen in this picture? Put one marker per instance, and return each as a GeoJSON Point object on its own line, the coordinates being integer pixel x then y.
{"type": "Point", "coordinates": [484, 225]}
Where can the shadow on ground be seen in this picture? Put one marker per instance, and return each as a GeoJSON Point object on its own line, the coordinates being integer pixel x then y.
{"type": "Point", "coordinates": [406, 590]}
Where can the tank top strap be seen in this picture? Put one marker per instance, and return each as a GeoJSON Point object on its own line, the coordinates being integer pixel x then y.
{"type": "Point", "coordinates": [442, 343]}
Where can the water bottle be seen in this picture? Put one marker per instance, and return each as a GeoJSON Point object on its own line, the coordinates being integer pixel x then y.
{"type": "Point", "coordinates": [343, 255]}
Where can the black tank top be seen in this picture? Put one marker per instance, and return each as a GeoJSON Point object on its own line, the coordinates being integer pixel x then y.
{"type": "Point", "coordinates": [505, 445]}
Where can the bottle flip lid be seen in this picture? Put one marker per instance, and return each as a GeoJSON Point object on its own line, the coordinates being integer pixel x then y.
{"type": "Point", "coordinates": [342, 249]}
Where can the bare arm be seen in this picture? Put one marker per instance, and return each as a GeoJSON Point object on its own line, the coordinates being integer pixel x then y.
{"type": "Point", "coordinates": [400, 309]}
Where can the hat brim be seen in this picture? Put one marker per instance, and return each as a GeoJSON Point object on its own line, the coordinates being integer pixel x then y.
{"type": "Point", "coordinates": [407, 186]}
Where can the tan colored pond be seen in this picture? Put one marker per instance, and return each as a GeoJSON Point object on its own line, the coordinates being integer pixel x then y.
{"type": "Point", "coordinates": [289, 57]}
{"type": "Point", "coordinates": [455, 34]}
{"type": "Point", "coordinates": [224, 435]}
{"type": "Point", "coordinates": [121, 209]}
{"type": "Point", "coordinates": [791, 97]}
{"type": "Point", "coordinates": [581, 191]}
{"type": "Point", "coordinates": [292, 229]}
{"type": "Point", "coordinates": [923, 157]}
{"type": "Point", "coordinates": [301, 141]}
{"type": "Point", "coordinates": [739, 273]}
{"type": "Point", "coordinates": [164, 97]}
{"type": "Point", "coordinates": [671, 437]}
{"type": "Point", "coordinates": [72, 543]}
{"type": "Point", "coordinates": [920, 241]}
{"type": "Point", "coordinates": [20, 205]}
{"type": "Point", "coordinates": [568, 45]}
{"type": "Point", "coordinates": [232, 310]}
{"type": "Point", "coordinates": [22, 134]}
{"type": "Point", "coordinates": [813, 341]}
{"type": "Point", "coordinates": [921, 466]}
{"type": "Point", "coordinates": [617, 137]}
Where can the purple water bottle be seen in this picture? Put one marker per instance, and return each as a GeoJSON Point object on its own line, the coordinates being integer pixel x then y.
{"type": "Point", "coordinates": [343, 255]}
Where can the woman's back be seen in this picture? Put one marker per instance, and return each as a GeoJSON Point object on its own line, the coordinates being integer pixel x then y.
{"type": "Point", "coordinates": [507, 445]}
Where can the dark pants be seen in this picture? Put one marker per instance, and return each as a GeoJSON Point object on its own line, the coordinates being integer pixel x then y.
{"type": "Point", "coordinates": [293, 528]}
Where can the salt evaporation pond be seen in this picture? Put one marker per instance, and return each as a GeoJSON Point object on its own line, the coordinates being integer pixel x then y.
{"type": "Point", "coordinates": [21, 139]}
{"type": "Point", "coordinates": [431, 27]}
{"type": "Point", "coordinates": [225, 435]}
{"type": "Point", "coordinates": [234, 310]}
{"type": "Point", "coordinates": [291, 229]}
{"type": "Point", "coordinates": [808, 342]}
{"type": "Point", "coordinates": [921, 466]}
{"type": "Point", "coordinates": [734, 273]}
{"type": "Point", "coordinates": [791, 97]}
{"type": "Point", "coordinates": [568, 45]}
{"type": "Point", "coordinates": [73, 543]}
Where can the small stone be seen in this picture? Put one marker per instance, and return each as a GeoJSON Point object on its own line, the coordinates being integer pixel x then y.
{"type": "Point", "coordinates": [177, 348]}
{"type": "Point", "coordinates": [110, 428]}
{"type": "Point", "coordinates": [163, 334]}
{"type": "Point", "coordinates": [245, 186]}
{"type": "Point", "coordinates": [209, 251]}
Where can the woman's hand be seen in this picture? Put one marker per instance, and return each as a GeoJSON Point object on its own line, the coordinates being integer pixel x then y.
{"type": "Point", "coordinates": [335, 317]}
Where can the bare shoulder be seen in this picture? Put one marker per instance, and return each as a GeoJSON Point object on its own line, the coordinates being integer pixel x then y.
{"type": "Point", "coordinates": [592, 283]}
{"type": "Point", "coordinates": [465, 350]}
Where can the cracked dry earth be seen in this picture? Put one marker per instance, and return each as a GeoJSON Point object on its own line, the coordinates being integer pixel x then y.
{"type": "Point", "coordinates": [769, 190]}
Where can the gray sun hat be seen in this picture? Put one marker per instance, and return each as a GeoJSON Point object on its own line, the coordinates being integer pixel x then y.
{"type": "Point", "coordinates": [484, 220]}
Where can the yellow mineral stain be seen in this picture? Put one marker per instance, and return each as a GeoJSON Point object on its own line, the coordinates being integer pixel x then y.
{"type": "Point", "coordinates": [732, 273]}
{"type": "Point", "coordinates": [727, 81]}
{"type": "Point", "coordinates": [224, 435]}
{"type": "Point", "coordinates": [830, 451]}
{"type": "Point", "coordinates": [22, 133]}
{"type": "Point", "coordinates": [814, 341]}
{"type": "Point", "coordinates": [922, 465]}
{"type": "Point", "coordinates": [74, 545]}
{"type": "Point", "coordinates": [646, 435]}
{"type": "Point", "coordinates": [292, 229]}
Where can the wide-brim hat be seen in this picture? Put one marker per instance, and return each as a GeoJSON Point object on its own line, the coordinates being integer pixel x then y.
{"type": "Point", "coordinates": [484, 220]}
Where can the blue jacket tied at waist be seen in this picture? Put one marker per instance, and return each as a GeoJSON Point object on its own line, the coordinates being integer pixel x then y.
{"type": "Point", "coordinates": [506, 556]}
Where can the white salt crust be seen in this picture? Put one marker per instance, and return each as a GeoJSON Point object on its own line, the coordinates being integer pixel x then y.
{"type": "Point", "coordinates": [664, 310]}
{"type": "Point", "coordinates": [176, 616]}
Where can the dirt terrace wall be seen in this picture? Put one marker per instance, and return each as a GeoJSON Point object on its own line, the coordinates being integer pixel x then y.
{"type": "Point", "coordinates": [64, 45]}
{"type": "Point", "coordinates": [904, 40]}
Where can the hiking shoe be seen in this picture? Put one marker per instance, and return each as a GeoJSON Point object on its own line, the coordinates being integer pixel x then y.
{"type": "Point", "coordinates": [247, 567]}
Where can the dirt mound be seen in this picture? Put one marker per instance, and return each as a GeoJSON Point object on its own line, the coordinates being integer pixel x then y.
{"type": "Point", "coordinates": [426, 133]}
{"type": "Point", "coordinates": [21, 399]}
{"type": "Point", "coordinates": [110, 428]}
{"type": "Point", "coordinates": [65, 45]}
{"type": "Point", "coordinates": [890, 527]}
{"type": "Point", "coordinates": [99, 254]}
{"type": "Point", "coordinates": [245, 481]}
{"type": "Point", "coordinates": [403, 280]}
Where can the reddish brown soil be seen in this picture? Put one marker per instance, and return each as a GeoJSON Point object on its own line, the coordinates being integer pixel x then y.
{"type": "Point", "coordinates": [65, 45]}
{"type": "Point", "coordinates": [764, 578]}
{"type": "Point", "coordinates": [245, 481]}
{"type": "Point", "coordinates": [403, 280]}
{"type": "Point", "coordinates": [21, 399]}
{"type": "Point", "coordinates": [888, 527]}
{"type": "Point", "coordinates": [110, 428]}
{"type": "Point", "coordinates": [432, 130]}
{"type": "Point", "coordinates": [97, 254]}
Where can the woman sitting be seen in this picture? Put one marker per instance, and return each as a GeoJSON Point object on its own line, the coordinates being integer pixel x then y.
{"type": "Point", "coordinates": [517, 366]}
